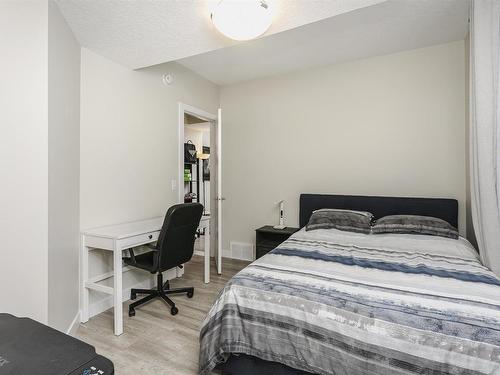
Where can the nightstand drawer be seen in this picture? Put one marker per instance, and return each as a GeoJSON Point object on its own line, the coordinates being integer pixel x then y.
{"type": "Point", "coordinates": [268, 242]}
{"type": "Point", "coordinates": [268, 238]}
{"type": "Point", "coordinates": [263, 250]}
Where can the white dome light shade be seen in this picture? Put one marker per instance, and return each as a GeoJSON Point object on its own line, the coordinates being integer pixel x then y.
{"type": "Point", "coordinates": [243, 19]}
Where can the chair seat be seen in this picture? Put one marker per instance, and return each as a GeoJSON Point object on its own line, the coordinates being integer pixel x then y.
{"type": "Point", "coordinates": [145, 261]}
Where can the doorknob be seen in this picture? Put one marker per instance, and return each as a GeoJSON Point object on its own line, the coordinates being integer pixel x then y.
{"type": "Point", "coordinates": [221, 199]}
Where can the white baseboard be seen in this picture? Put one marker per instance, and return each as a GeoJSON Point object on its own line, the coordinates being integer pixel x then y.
{"type": "Point", "coordinates": [229, 254]}
{"type": "Point", "coordinates": [200, 253]}
{"type": "Point", "coordinates": [226, 253]}
{"type": "Point", "coordinates": [239, 250]}
{"type": "Point", "coordinates": [74, 325]}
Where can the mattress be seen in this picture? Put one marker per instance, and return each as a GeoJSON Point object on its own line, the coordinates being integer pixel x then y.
{"type": "Point", "coordinates": [333, 302]}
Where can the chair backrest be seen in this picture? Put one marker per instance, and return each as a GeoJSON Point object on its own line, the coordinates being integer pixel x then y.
{"type": "Point", "coordinates": [177, 236]}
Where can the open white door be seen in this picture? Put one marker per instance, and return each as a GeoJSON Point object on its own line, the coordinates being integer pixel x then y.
{"type": "Point", "coordinates": [220, 198]}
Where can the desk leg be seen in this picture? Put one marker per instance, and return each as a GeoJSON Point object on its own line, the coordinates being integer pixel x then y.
{"type": "Point", "coordinates": [207, 255]}
{"type": "Point", "coordinates": [117, 290]}
{"type": "Point", "coordinates": [85, 276]}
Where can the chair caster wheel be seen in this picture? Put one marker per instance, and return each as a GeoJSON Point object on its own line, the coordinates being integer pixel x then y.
{"type": "Point", "coordinates": [190, 294]}
{"type": "Point", "coordinates": [131, 313]}
{"type": "Point", "coordinates": [133, 296]}
{"type": "Point", "coordinates": [174, 310]}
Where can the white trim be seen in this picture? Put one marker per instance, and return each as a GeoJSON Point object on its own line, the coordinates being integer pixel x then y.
{"type": "Point", "coordinates": [186, 108]}
{"type": "Point", "coordinates": [226, 253]}
{"type": "Point", "coordinates": [198, 252]}
{"type": "Point", "coordinates": [180, 155]}
{"type": "Point", "coordinates": [209, 117]}
{"type": "Point", "coordinates": [201, 253]}
{"type": "Point", "coordinates": [220, 197]}
{"type": "Point", "coordinates": [73, 327]}
{"type": "Point", "coordinates": [246, 251]}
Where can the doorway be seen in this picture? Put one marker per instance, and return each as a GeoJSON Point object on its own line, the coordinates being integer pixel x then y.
{"type": "Point", "coordinates": [199, 172]}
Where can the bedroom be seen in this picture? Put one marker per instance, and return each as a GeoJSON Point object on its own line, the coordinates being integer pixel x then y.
{"type": "Point", "coordinates": [366, 98]}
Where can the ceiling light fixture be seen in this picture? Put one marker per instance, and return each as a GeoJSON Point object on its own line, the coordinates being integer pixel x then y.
{"type": "Point", "coordinates": [242, 19]}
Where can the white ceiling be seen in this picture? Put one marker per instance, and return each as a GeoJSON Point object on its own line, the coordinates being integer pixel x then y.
{"type": "Point", "coordinates": [140, 33]}
{"type": "Point", "coordinates": [387, 27]}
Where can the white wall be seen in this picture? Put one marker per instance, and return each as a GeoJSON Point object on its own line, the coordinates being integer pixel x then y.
{"type": "Point", "coordinates": [23, 158]}
{"type": "Point", "coordinates": [39, 163]}
{"type": "Point", "coordinates": [64, 171]}
{"type": "Point", "coordinates": [388, 125]}
{"type": "Point", "coordinates": [129, 142]}
{"type": "Point", "coordinates": [195, 136]}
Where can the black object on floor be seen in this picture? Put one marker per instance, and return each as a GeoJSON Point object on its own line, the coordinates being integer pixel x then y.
{"type": "Point", "coordinates": [242, 364]}
{"type": "Point", "coordinates": [31, 348]}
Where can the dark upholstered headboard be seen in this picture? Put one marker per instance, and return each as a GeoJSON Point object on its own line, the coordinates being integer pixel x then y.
{"type": "Point", "coordinates": [446, 209]}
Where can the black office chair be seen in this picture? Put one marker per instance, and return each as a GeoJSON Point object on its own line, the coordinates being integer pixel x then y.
{"type": "Point", "coordinates": [174, 247]}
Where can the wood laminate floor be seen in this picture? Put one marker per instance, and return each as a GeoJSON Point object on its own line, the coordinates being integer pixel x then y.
{"type": "Point", "coordinates": [155, 342]}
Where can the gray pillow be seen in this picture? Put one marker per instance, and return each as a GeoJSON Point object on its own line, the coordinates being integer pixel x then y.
{"type": "Point", "coordinates": [414, 224]}
{"type": "Point", "coordinates": [352, 221]}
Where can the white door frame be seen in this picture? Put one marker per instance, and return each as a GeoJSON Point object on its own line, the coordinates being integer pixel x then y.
{"type": "Point", "coordinates": [200, 113]}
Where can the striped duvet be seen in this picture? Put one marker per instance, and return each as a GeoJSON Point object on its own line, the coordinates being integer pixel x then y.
{"type": "Point", "coordinates": [332, 302]}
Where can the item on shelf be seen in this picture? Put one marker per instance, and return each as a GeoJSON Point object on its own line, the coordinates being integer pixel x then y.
{"type": "Point", "coordinates": [189, 152]}
{"type": "Point", "coordinates": [188, 197]}
{"type": "Point", "coordinates": [206, 164]}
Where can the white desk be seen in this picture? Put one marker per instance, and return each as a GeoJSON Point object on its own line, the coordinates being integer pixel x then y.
{"type": "Point", "coordinates": [117, 238]}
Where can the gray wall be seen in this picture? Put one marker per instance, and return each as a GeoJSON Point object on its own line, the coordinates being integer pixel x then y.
{"type": "Point", "coordinates": [64, 171]}
{"type": "Point", "coordinates": [388, 125]}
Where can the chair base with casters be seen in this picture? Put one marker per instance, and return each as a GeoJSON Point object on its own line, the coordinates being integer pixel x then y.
{"type": "Point", "coordinates": [161, 291]}
{"type": "Point", "coordinates": [148, 261]}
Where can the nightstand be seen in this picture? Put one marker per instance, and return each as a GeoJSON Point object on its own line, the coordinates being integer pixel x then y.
{"type": "Point", "coordinates": [267, 238]}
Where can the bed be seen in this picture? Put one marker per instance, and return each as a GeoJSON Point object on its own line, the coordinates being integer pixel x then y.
{"type": "Point", "coordinates": [344, 303]}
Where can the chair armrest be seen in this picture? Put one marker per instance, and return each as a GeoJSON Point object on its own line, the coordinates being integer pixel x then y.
{"type": "Point", "coordinates": [132, 255]}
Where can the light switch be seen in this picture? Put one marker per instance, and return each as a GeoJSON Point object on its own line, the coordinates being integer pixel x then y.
{"type": "Point", "coordinates": [174, 185]}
